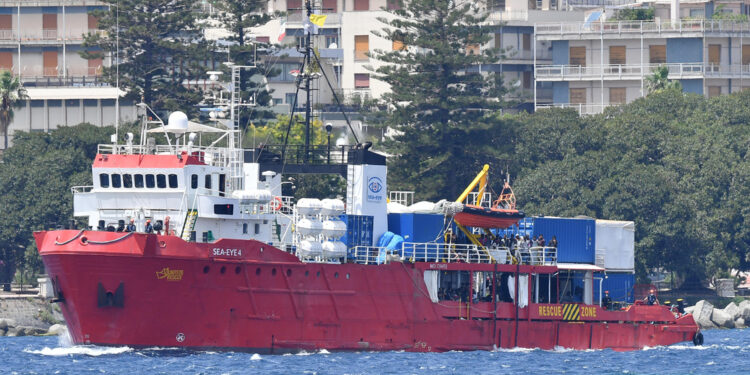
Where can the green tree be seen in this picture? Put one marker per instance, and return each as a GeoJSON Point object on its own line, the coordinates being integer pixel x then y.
{"type": "Point", "coordinates": [659, 80]}
{"type": "Point", "coordinates": [238, 17]}
{"type": "Point", "coordinates": [35, 176]}
{"type": "Point", "coordinates": [440, 103]}
{"type": "Point", "coordinates": [11, 92]}
{"type": "Point", "coordinates": [156, 48]}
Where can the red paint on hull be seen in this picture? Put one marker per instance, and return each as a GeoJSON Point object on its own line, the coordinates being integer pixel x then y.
{"type": "Point", "coordinates": [179, 294]}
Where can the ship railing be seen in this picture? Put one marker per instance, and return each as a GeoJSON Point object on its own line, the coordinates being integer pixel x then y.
{"type": "Point", "coordinates": [371, 255]}
{"type": "Point", "coordinates": [215, 156]}
{"type": "Point", "coordinates": [442, 252]}
{"type": "Point", "coordinates": [537, 255]}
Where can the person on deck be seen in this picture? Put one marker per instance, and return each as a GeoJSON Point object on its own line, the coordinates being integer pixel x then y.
{"type": "Point", "coordinates": [651, 298]}
{"type": "Point", "coordinates": [606, 301]}
{"type": "Point", "coordinates": [130, 227]}
{"type": "Point", "coordinates": [149, 228]}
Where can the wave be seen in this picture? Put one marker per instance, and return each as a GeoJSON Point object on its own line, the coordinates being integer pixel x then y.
{"type": "Point", "coordinates": [92, 351]}
{"type": "Point", "coordinates": [255, 357]}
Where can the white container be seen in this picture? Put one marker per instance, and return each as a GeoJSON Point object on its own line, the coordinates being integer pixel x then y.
{"type": "Point", "coordinates": [334, 228]}
{"type": "Point", "coordinates": [309, 249]}
{"type": "Point", "coordinates": [253, 196]}
{"type": "Point", "coordinates": [309, 206]}
{"type": "Point", "coordinates": [309, 227]}
{"type": "Point", "coordinates": [334, 249]}
{"type": "Point", "coordinates": [332, 207]}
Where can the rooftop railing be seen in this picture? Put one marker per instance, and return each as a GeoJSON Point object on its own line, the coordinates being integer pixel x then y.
{"type": "Point", "coordinates": [635, 71]}
{"type": "Point", "coordinates": [455, 253]}
{"type": "Point", "coordinates": [637, 27]}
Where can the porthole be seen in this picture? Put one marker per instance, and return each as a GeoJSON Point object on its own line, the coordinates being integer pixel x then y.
{"type": "Point", "coordinates": [257, 271]}
{"type": "Point", "coordinates": [347, 276]}
{"type": "Point", "coordinates": [223, 270]}
{"type": "Point", "coordinates": [273, 271]}
{"type": "Point", "coordinates": [206, 268]}
{"type": "Point", "coordinates": [237, 270]}
{"type": "Point", "coordinates": [318, 274]}
{"type": "Point", "coordinates": [307, 273]}
{"type": "Point", "coordinates": [336, 275]}
{"type": "Point", "coordinates": [288, 273]}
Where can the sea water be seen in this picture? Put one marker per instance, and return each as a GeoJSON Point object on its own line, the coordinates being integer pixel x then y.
{"type": "Point", "coordinates": [724, 352]}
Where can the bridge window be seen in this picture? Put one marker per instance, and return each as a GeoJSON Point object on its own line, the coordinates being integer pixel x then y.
{"type": "Point", "coordinates": [194, 181]}
{"type": "Point", "coordinates": [207, 183]}
{"type": "Point", "coordinates": [223, 209]}
{"type": "Point", "coordinates": [150, 181]}
{"type": "Point", "coordinates": [127, 181]}
{"type": "Point", "coordinates": [244, 228]}
{"type": "Point", "coordinates": [161, 181]}
{"type": "Point", "coordinates": [139, 180]}
{"type": "Point", "coordinates": [116, 181]}
{"type": "Point", "coordinates": [104, 180]}
{"type": "Point", "coordinates": [173, 181]}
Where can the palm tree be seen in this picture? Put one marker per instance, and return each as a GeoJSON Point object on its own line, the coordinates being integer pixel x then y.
{"type": "Point", "coordinates": [660, 81]}
{"type": "Point", "coordinates": [11, 92]}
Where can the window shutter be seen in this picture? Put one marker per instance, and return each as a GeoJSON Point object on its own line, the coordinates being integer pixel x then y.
{"type": "Point", "coordinates": [578, 56]}
{"type": "Point", "coordinates": [617, 95]}
{"type": "Point", "coordinates": [361, 4]}
{"type": "Point", "coordinates": [578, 96]}
{"type": "Point", "coordinates": [361, 81]}
{"type": "Point", "coordinates": [617, 55]}
{"type": "Point", "coordinates": [361, 47]}
{"type": "Point", "coordinates": [657, 54]}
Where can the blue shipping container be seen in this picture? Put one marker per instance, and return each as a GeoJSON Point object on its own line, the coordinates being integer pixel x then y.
{"type": "Point", "coordinates": [358, 231]}
{"type": "Point", "coordinates": [619, 284]}
{"type": "Point", "coordinates": [417, 227]}
{"type": "Point", "coordinates": [575, 237]}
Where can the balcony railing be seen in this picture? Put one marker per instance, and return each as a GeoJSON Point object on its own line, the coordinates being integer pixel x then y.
{"type": "Point", "coordinates": [7, 35]}
{"type": "Point", "coordinates": [676, 71]}
{"type": "Point", "coordinates": [637, 27]}
{"type": "Point", "coordinates": [49, 34]}
{"type": "Point", "coordinates": [583, 109]}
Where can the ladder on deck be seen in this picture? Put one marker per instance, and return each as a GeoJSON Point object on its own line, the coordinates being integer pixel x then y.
{"type": "Point", "coordinates": [190, 219]}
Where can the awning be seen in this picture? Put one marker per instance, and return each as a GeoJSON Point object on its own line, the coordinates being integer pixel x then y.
{"type": "Point", "coordinates": [579, 267]}
{"type": "Point", "coordinates": [193, 127]}
{"type": "Point", "coordinates": [62, 93]}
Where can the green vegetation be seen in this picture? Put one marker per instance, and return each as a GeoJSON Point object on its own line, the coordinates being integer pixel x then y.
{"type": "Point", "coordinates": [11, 92]}
{"type": "Point", "coordinates": [439, 103]}
{"type": "Point", "coordinates": [659, 81]}
{"type": "Point", "coordinates": [721, 14]}
{"type": "Point", "coordinates": [634, 14]}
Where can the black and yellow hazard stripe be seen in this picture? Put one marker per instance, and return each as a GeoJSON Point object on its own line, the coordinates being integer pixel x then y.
{"type": "Point", "coordinates": [571, 311]}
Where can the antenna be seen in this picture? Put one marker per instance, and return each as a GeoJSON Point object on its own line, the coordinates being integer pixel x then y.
{"type": "Point", "coordinates": [117, 68]}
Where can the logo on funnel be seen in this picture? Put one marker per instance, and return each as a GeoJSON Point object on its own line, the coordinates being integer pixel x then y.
{"type": "Point", "coordinates": [375, 186]}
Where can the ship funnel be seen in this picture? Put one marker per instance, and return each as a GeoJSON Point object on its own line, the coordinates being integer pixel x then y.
{"type": "Point", "coordinates": [177, 123]}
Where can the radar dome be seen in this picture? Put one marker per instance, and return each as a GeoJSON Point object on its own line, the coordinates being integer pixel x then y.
{"type": "Point", "coordinates": [177, 123]}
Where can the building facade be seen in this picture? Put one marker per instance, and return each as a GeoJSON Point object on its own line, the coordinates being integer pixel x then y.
{"type": "Point", "coordinates": [40, 42]}
{"type": "Point", "coordinates": [600, 62]}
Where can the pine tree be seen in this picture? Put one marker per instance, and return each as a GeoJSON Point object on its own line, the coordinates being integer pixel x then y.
{"type": "Point", "coordinates": [440, 98]}
{"type": "Point", "coordinates": [238, 17]}
{"type": "Point", "coordinates": [157, 49]}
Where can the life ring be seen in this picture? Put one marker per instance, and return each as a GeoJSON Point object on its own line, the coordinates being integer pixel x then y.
{"type": "Point", "coordinates": [698, 339]}
{"type": "Point", "coordinates": [276, 203]}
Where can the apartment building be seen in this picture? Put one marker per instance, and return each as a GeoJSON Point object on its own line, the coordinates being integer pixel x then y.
{"type": "Point", "coordinates": [40, 41]}
{"type": "Point", "coordinates": [600, 62]}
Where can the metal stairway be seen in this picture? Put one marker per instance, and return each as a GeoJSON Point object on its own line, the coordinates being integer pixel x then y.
{"type": "Point", "coordinates": [190, 220]}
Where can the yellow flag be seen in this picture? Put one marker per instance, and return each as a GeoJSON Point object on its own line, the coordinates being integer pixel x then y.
{"type": "Point", "coordinates": [318, 19]}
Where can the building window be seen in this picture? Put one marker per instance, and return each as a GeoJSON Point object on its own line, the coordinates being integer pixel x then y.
{"type": "Point", "coordinates": [332, 41]}
{"type": "Point", "coordinates": [290, 98]}
{"type": "Point", "coordinates": [714, 57]}
{"type": "Point", "coordinates": [697, 13]}
{"type": "Point", "coordinates": [578, 96]}
{"type": "Point", "coordinates": [49, 62]}
{"type": "Point", "coordinates": [527, 80]}
{"type": "Point", "coordinates": [526, 42]}
{"type": "Point", "coordinates": [294, 6]}
{"type": "Point", "coordinates": [150, 181]}
{"type": "Point", "coordinates": [194, 181]}
{"type": "Point", "coordinates": [498, 40]}
{"type": "Point", "coordinates": [617, 95]}
{"type": "Point", "coordinates": [714, 91]}
{"type": "Point", "coordinates": [361, 81]}
{"type": "Point", "coordinates": [263, 39]}
{"type": "Point", "coordinates": [49, 26]}
{"type": "Point", "coordinates": [6, 26]}
{"type": "Point", "coordinates": [116, 182]}
{"type": "Point", "coordinates": [657, 54]}
{"type": "Point", "coordinates": [578, 56]}
{"type": "Point", "coordinates": [127, 181]}
{"type": "Point", "coordinates": [329, 6]}
{"type": "Point", "coordinates": [139, 180]}
{"type": "Point", "coordinates": [472, 49]}
{"type": "Point", "coordinates": [617, 55]}
{"type": "Point", "coordinates": [361, 47]}
{"type": "Point", "coordinates": [361, 4]}
{"type": "Point", "coordinates": [398, 42]}
{"type": "Point", "coordinates": [173, 181]}
{"type": "Point", "coordinates": [393, 4]}
{"type": "Point", "coordinates": [746, 54]}
{"type": "Point", "coordinates": [104, 180]}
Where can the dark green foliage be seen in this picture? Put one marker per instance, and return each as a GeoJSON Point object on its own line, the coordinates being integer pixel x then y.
{"type": "Point", "coordinates": [675, 164]}
{"type": "Point", "coordinates": [160, 48]}
{"type": "Point", "coordinates": [635, 14]}
{"type": "Point", "coordinates": [439, 102]}
{"type": "Point", "coordinates": [36, 174]}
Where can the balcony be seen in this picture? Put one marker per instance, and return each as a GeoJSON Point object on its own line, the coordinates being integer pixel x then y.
{"type": "Point", "coordinates": [633, 29]}
{"type": "Point", "coordinates": [583, 109]}
{"type": "Point", "coordinates": [527, 56]}
{"type": "Point", "coordinates": [637, 72]}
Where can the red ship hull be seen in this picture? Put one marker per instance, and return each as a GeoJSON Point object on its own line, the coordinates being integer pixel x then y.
{"type": "Point", "coordinates": [149, 290]}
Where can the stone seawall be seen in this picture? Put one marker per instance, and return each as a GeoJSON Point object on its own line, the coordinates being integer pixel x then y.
{"type": "Point", "coordinates": [731, 316]}
{"type": "Point", "coordinates": [23, 316]}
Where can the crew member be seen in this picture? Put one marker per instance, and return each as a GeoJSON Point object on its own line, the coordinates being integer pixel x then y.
{"type": "Point", "coordinates": [651, 298]}
{"type": "Point", "coordinates": [131, 226]}
{"type": "Point", "coordinates": [149, 227]}
{"type": "Point", "coordinates": [606, 301]}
